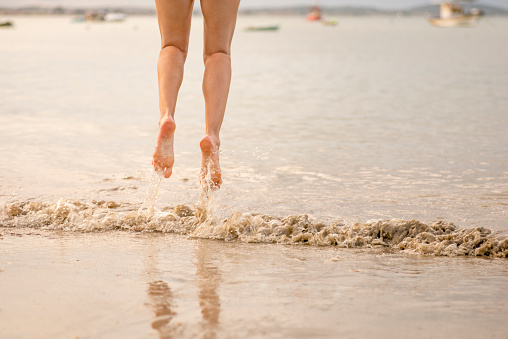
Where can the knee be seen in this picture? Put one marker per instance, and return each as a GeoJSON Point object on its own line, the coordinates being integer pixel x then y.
{"type": "Point", "coordinates": [175, 50]}
{"type": "Point", "coordinates": [220, 53]}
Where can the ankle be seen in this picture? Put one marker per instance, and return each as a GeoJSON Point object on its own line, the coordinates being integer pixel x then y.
{"type": "Point", "coordinates": [166, 119]}
{"type": "Point", "coordinates": [166, 113]}
{"type": "Point", "coordinates": [214, 138]}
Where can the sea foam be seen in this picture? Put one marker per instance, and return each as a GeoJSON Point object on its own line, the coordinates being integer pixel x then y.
{"type": "Point", "coordinates": [439, 238]}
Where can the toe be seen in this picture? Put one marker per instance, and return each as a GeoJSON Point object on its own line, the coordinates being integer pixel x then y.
{"type": "Point", "coordinates": [168, 172]}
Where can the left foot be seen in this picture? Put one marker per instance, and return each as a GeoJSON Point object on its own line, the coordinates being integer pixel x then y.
{"type": "Point", "coordinates": [210, 168]}
{"type": "Point", "coordinates": [163, 157]}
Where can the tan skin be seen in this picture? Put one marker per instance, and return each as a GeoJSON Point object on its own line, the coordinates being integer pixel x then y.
{"type": "Point", "coordinates": [174, 18]}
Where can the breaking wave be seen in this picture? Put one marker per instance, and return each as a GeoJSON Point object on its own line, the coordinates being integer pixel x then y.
{"type": "Point", "coordinates": [440, 238]}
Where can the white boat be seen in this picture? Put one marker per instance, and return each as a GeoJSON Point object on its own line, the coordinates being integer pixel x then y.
{"type": "Point", "coordinates": [115, 17]}
{"type": "Point", "coordinates": [100, 16]}
{"type": "Point", "coordinates": [451, 14]}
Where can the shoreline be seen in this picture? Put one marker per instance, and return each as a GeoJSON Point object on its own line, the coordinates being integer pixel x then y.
{"type": "Point", "coordinates": [208, 221]}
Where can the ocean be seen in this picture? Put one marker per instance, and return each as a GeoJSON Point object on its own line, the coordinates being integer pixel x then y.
{"type": "Point", "coordinates": [365, 182]}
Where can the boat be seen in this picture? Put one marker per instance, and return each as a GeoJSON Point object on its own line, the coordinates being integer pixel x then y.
{"type": "Point", "coordinates": [451, 14]}
{"type": "Point", "coordinates": [95, 16]}
{"type": "Point", "coordinates": [6, 23]}
{"type": "Point", "coordinates": [315, 14]}
{"type": "Point", "coordinates": [330, 22]}
{"type": "Point", "coordinates": [100, 16]}
{"type": "Point", "coordinates": [80, 18]}
{"type": "Point", "coordinates": [115, 17]}
{"type": "Point", "coordinates": [262, 28]}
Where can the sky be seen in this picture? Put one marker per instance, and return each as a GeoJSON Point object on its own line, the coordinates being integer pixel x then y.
{"type": "Point", "coordinates": [386, 4]}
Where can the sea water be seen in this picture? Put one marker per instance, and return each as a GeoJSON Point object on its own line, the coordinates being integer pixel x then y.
{"type": "Point", "coordinates": [381, 134]}
{"type": "Point", "coordinates": [377, 118]}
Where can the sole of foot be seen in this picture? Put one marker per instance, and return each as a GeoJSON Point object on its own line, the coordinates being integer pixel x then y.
{"type": "Point", "coordinates": [210, 168]}
{"type": "Point", "coordinates": [163, 156]}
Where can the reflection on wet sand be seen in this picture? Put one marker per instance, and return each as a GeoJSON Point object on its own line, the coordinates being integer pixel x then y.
{"type": "Point", "coordinates": [161, 297]}
{"type": "Point", "coordinates": [208, 279]}
{"type": "Point", "coordinates": [163, 300]}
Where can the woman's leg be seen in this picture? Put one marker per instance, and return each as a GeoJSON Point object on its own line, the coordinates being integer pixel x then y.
{"type": "Point", "coordinates": [174, 18]}
{"type": "Point", "coordinates": [219, 21]}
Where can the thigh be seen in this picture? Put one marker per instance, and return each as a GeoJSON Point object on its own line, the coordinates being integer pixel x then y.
{"type": "Point", "coordinates": [174, 18]}
{"type": "Point", "coordinates": [219, 21]}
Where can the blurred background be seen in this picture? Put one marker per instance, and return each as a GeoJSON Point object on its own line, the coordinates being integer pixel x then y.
{"type": "Point", "coordinates": [392, 4]}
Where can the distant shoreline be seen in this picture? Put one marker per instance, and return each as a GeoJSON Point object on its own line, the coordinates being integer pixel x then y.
{"type": "Point", "coordinates": [430, 10]}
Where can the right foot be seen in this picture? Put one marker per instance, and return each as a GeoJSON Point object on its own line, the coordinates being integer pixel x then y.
{"type": "Point", "coordinates": [163, 156]}
{"type": "Point", "coordinates": [210, 168]}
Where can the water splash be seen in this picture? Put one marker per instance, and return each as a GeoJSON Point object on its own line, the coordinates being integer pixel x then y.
{"type": "Point", "coordinates": [148, 206]}
{"type": "Point", "coordinates": [439, 238]}
{"type": "Point", "coordinates": [208, 207]}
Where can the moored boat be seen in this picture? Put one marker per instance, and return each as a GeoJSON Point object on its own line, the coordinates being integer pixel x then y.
{"type": "Point", "coordinates": [262, 28]}
{"type": "Point", "coordinates": [330, 22]}
{"type": "Point", "coordinates": [451, 14]}
{"type": "Point", "coordinates": [100, 16]}
{"type": "Point", "coordinates": [6, 23]}
{"type": "Point", "coordinates": [315, 14]}
{"type": "Point", "coordinates": [115, 17]}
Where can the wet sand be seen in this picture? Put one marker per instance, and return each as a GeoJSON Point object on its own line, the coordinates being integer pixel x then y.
{"type": "Point", "coordinates": [114, 284]}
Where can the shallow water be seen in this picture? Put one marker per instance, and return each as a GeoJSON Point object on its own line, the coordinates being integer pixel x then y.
{"type": "Point", "coordinates": [352, 156]}
{"type": "Point", "coordinates": [374, 118]}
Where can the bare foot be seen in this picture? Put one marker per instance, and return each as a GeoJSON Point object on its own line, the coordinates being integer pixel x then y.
{"type": "Point", "coordinates": [163, 156]}
{"type": "Point", "coordinates": [210, 168]}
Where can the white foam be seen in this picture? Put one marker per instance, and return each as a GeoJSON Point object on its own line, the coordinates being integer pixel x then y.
{"type": "Point", "coordinates": [208, 221]}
